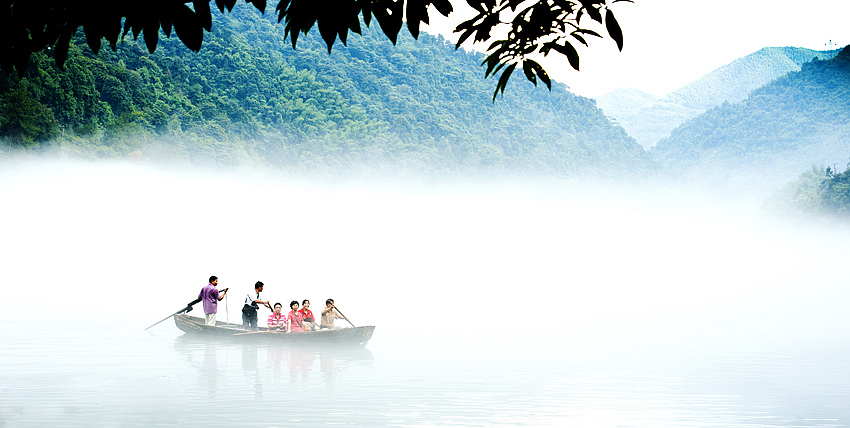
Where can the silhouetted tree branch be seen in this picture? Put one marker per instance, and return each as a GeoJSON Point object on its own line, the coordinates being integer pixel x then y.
{"type": "Point", "coordinates": [532, 28]}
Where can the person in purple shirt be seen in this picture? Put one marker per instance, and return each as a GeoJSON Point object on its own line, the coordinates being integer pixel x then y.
{"type": "Point", "coordinates": [211, 296]}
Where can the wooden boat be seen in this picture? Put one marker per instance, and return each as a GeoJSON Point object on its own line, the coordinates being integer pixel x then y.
{"type": "Point", "coordinates": [342, 336]}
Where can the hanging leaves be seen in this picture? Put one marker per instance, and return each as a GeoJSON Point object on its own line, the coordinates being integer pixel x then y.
{"type": "Point", "coordinates": [536, 28]}
{"type": "Point", "coordinates": [529, 28]}
{"type": "Point", "coordinates": [29, 26]}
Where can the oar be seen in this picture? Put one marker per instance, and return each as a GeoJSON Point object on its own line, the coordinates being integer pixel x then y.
{"type": "Point", "coordinates": [300, 323]}
{"type": "Point", "coordinates": [186, 309]}
{"type": "Point", "coordinates": [343, 315]}
{"type": "Point", "coordinates": [258, 332]}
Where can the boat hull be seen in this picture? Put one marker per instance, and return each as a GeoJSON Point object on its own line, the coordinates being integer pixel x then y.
{"type": "Point", "coordinates": [342, 336]}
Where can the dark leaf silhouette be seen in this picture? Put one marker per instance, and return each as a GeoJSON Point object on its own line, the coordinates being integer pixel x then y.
{"type": "Point", "coordinates": [531, 28]}
{"type": "Point", "coordinates": [568, 51]}
{"type": "Point", "coordinates": [202, 10]}
{"type": "Point", "coordinates": [151, 34]}
{"type": "Point", "coordinates": [188, 28]}
{"type": "Point", "coordinates": [503, 81]}
{"type": "Point", "coordinates": [613, 28]}
{"type": "Point", "coordinates": [61, 52]}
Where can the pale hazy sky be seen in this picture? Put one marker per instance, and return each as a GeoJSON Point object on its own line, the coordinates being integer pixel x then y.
{"type": "Point", "coordinates": [669, 43]}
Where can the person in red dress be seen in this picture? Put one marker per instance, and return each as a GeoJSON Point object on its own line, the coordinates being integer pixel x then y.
{"type": "Point", "coordinates": [307, 316]}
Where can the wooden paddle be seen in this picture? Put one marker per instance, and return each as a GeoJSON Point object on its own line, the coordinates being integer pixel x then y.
{"type": "Point", "coordinates": [343, 316]}
{"type": "Point", "coordinates": [300, 323]}
{"type": "Point", "coordinates": [186, 309]}
{"type": "Point", "coordinates": [268, 305]}
{"type": "Point", "coordinates": [258, 332]}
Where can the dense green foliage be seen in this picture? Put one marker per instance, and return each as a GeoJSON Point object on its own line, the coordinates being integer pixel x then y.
{"type": "Point", "coordinates": [248, 99]}
{"type": "Point", "coordinates": [818, 192]}
{"type": "Point", "coordinates": [649, 120]}
{"type": "Point", "coordinates": [776, 131]}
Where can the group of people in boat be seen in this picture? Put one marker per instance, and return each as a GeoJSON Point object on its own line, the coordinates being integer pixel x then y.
{"type": "Point", "coordinates": [296, 320]}
{"type": "Point", "coordinates": [301, 319]}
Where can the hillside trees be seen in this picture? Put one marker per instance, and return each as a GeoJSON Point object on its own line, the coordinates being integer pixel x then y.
{"type": "Point", "coordinates": [834, 194]}
{"type": "Point", "coordinates": [817, 193]}
{"type": "Point", "coordinates": [25, 120]}
{"type": "Point", "coordinates": [416, 106]}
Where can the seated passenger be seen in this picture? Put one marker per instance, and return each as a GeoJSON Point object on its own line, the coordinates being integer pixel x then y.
{"type": "Point", "coordinates": [277, 320]}
{"type": "Point", "coordinates": [293, 319]}
{"type": "Point", "coordinates": [307, 316]}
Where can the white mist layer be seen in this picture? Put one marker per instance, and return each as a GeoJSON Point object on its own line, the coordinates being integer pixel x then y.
{"type": "Point", "coordinates": [445, 264]}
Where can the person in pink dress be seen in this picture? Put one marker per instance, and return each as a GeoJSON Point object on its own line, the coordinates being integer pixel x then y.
{"type": "Point", "coordinates": [294, 321]}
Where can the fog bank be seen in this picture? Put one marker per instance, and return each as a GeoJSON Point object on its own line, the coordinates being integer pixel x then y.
{"type": "Point", "coordinates": [453, 263]}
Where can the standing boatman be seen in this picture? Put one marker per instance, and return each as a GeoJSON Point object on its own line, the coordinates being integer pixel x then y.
{"type": "Point", "coordinates": [211, 296]}
{"type": "Point", "coordinates": [252, 304]}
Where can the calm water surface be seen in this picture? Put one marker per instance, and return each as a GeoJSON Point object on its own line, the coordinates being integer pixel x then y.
{"type": "Point", "coordinates": [493, 307]}
{"type": "Point", "coordinates": [120, 375]}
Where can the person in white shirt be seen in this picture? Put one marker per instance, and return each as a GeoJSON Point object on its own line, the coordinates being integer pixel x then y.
{"type": "Point", "coordinates": [252, 304]}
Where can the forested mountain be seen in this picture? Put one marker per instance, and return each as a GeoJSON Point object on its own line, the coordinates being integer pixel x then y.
{"type": "Point", "coordinates": [649, 122]}
{"type": "Point", "coordinates": [247, 98]}
{"type": "Point", "coordinates": [782, 127]}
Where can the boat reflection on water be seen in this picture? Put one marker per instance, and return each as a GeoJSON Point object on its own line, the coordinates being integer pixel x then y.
{"type": "Point", "coordinates": [225, 362]}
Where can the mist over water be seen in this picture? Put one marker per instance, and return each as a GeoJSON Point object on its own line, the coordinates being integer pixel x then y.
{"type": "Point", "coordinates": [529, 303]}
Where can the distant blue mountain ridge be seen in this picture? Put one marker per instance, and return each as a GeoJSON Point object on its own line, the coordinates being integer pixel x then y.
{"type": "Point", "coordinates": [648, 118]}
{"type": "Point", "coordinates": [778, 131]}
